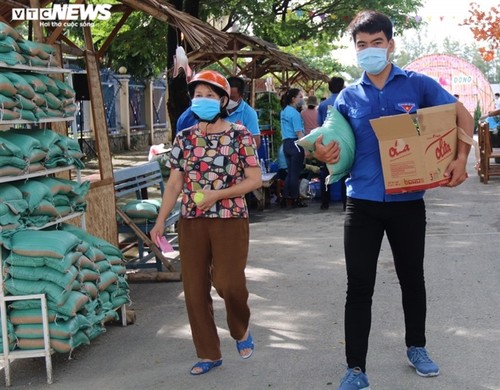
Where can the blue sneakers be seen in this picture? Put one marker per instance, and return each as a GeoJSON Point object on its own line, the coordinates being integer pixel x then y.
{"type": "Point", "coordinates": [420, 360]}
{"type": "Point", "coordinates": [354, 379]}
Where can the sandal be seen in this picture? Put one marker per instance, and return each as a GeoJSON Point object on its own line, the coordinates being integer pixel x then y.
{"type": "Point", "coordinates": [205, 366]}
{"type": "Point", "coordinates": [245, 344]}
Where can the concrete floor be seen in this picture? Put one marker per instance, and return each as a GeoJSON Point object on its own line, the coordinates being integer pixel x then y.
{"type": "Point", "coordinates": [296, 278]}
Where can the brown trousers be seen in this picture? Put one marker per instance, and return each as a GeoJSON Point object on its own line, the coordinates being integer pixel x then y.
{"type": "Point", "coordinates": [214, 252]}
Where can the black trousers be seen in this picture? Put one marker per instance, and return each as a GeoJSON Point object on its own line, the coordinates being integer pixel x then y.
{"type": "Point", "coordinates": [364, 228]}
{"type": "Point", "coordinates": [294, 155]}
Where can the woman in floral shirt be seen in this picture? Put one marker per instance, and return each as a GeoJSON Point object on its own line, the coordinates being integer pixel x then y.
{"type": "Point", "coordinates": [213, 164]}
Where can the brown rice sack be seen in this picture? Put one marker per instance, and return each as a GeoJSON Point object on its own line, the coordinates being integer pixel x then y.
{"type": "Point", "coordinates": [22, 86]}
{"type": "Point", "coordinates": [6, 86]}
{"type": "Point", "coordinates": [8, 31]}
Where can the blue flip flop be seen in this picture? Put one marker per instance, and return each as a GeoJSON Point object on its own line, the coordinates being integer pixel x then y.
{"type": "Point", "coordinates": [245, 344]}
{"type": "Point", "coordinates": [205, 366]}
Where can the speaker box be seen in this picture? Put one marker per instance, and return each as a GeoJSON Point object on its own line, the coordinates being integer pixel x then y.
{"type": "Point", "coordinates": [81, 87]}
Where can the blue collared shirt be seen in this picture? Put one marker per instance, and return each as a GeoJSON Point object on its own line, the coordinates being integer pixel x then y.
{"type": "Point", "coordinates": [245, 115]}
{"type": "Point", "coordinates": [291, 122]}
{"type": "Point", "coordinates": [323, 108]}
{"type": "Point", "coordinates": [404, 91]}
{"type": "Point", "coordinates": [186, 120]}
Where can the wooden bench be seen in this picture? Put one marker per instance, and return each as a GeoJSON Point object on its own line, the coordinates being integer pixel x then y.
{"type": "Point", "coordinates": [262, 194]}
{"type": "Point", "coordinates": [487, 152]}
{"type": "Point", "coordinates": [134, 183]}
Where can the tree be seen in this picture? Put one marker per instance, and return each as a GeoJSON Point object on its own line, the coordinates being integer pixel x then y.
{"type": "Point", "coordinates": [313, 26]}
{"type": "Point", "coordinates": [486, 29]}
{"type": "Point", "coordinates": [413, 46]}
{"type": "Point", "coordinates": [286, 22]}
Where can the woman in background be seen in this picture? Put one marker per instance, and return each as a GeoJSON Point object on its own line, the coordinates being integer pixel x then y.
{"type": "Point", "coordinates": [292, 128]}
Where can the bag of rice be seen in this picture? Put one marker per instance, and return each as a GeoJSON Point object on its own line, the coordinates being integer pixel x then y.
{"type": "Point", "coordinates": [336, 128]}
{"type": "Point", "coordinates": [22, 86]}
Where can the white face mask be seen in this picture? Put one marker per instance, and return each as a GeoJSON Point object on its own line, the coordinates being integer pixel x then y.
{"type": "Point", "coordinates": [232, 104]}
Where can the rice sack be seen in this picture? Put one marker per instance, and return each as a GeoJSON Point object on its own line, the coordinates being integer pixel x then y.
{"type": "Point", "coordinates": [337, 129]}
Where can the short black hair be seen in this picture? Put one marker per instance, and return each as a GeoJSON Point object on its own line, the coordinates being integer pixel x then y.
{"type": "Point", "coordinates": [336, 84]}
{"type": "Point", "coordinates": [238, 83]}
{"type": "Point", "coordinates": [371, 22]}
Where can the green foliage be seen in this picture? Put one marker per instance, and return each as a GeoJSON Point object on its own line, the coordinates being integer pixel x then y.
{"type": "Point", "coordinates": [307, 29]}
{"type": "Point", "coordinates": [269, 106]}
{"type": "Point", "coordinates": [141, 45]}
{"type": "Point", "coordinates": [286, 22]}
{"type": "Point", "coordinates": [477, 115]}
{"type": "Point", "coordinates": [316, 55]}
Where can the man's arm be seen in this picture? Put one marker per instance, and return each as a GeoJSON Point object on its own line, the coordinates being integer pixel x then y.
{"type": "Point", "coordinates": [457, 168]}
{"type": "Point", "coordinates": [494, 112]}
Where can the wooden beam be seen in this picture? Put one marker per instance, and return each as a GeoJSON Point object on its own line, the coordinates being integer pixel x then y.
{"type": "Point", "coordinates": [14, 4]}
{"type": "Point", "coordinates": [98, 113]}
{"type": "Point", "coordinates": [37, 28]}
{"type": "Point", "coordinates": [113, 33]}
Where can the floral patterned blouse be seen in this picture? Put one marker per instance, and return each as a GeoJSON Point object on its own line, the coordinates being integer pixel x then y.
{"type": "Point", "coordinates": [213, 161]}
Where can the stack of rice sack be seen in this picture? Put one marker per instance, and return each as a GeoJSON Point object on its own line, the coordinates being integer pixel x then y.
{"type": "Point", "coordinates": [82, 276]}
{"type": "Point", "coordinates": [12, 207]}
{"type": "Point", "coordinates": [35, 202]}
{"type": "Point", "coordinates": [11, 337]}
{"type": "Point", "coordinates": [10, 52]}
{"type": "Point", "coordinates": [34, 97]}
{"type": "Point", "coordinates": [14, 50]}
{"type": "Point", "coordinates": [31, 150]}
{"type": "Point", "coordinates": [31, 96]}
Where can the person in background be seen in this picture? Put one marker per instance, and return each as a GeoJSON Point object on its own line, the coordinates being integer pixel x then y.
{"type": "Point", "coordinates": [493, 113]}
{"type": "Point", "coordinates": [187, 119]}
{"type": "Point", "coordinates": [213, 164]}
{"type": "Point", "coordinates": [292, 128]}
{"type": "Point", "coordinates": [335, 85]}
{"type": "Point", "coordinates": [281, 176]}
{"type": "Point", "coordinates": [239, 111]}
{"type": "Point", "coordinates": [371, 212]}
{"type": "Point", "coordinates": [310, 114]}
{"type": "Point", "coordinates": [497, 101]}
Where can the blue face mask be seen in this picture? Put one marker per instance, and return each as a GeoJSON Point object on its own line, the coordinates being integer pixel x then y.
{"type": "Point", "coordinates": [205, 109]}
{"type": "Point", "coordinates": [373, 60]}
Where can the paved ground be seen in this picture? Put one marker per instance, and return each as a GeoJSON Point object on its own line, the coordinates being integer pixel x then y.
{"type": "Point", "coordinates": [296, 277]}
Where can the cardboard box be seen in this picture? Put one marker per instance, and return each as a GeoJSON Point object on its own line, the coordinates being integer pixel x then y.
{"type": "Point", "coordinates": [416, 149]}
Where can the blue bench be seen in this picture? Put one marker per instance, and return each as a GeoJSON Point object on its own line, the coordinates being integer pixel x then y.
{"type": "Point", "coordinates": [134, 183]}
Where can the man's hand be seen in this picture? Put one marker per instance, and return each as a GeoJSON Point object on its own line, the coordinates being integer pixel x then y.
{"type": "Point", "coordinates": [329, 154]}
{"type": "Point", "coordinates": [456, 172]}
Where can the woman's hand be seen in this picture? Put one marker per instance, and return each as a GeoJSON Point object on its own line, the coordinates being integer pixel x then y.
{"type": "Point", "coordinates": [208, 200]}
{"type": "Point", "coordinates": [157, 231]}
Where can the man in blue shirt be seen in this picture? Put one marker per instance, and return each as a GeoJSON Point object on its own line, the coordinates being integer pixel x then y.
{"type": "Point", "coordinates": [186, 120]}
{"type": "Point", "coordinates": [384, 89]}
{"type": "Point", "coordinates": [238, 110]}
{"type": "Point", "coordinates": [335, 85]}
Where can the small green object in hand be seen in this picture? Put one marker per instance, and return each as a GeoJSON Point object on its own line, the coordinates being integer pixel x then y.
{"type": "Point", "coordinates": [198, 197]}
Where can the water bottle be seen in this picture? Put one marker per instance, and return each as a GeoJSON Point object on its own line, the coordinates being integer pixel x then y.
{"type": "Point", "coordinates": [263, 166]}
